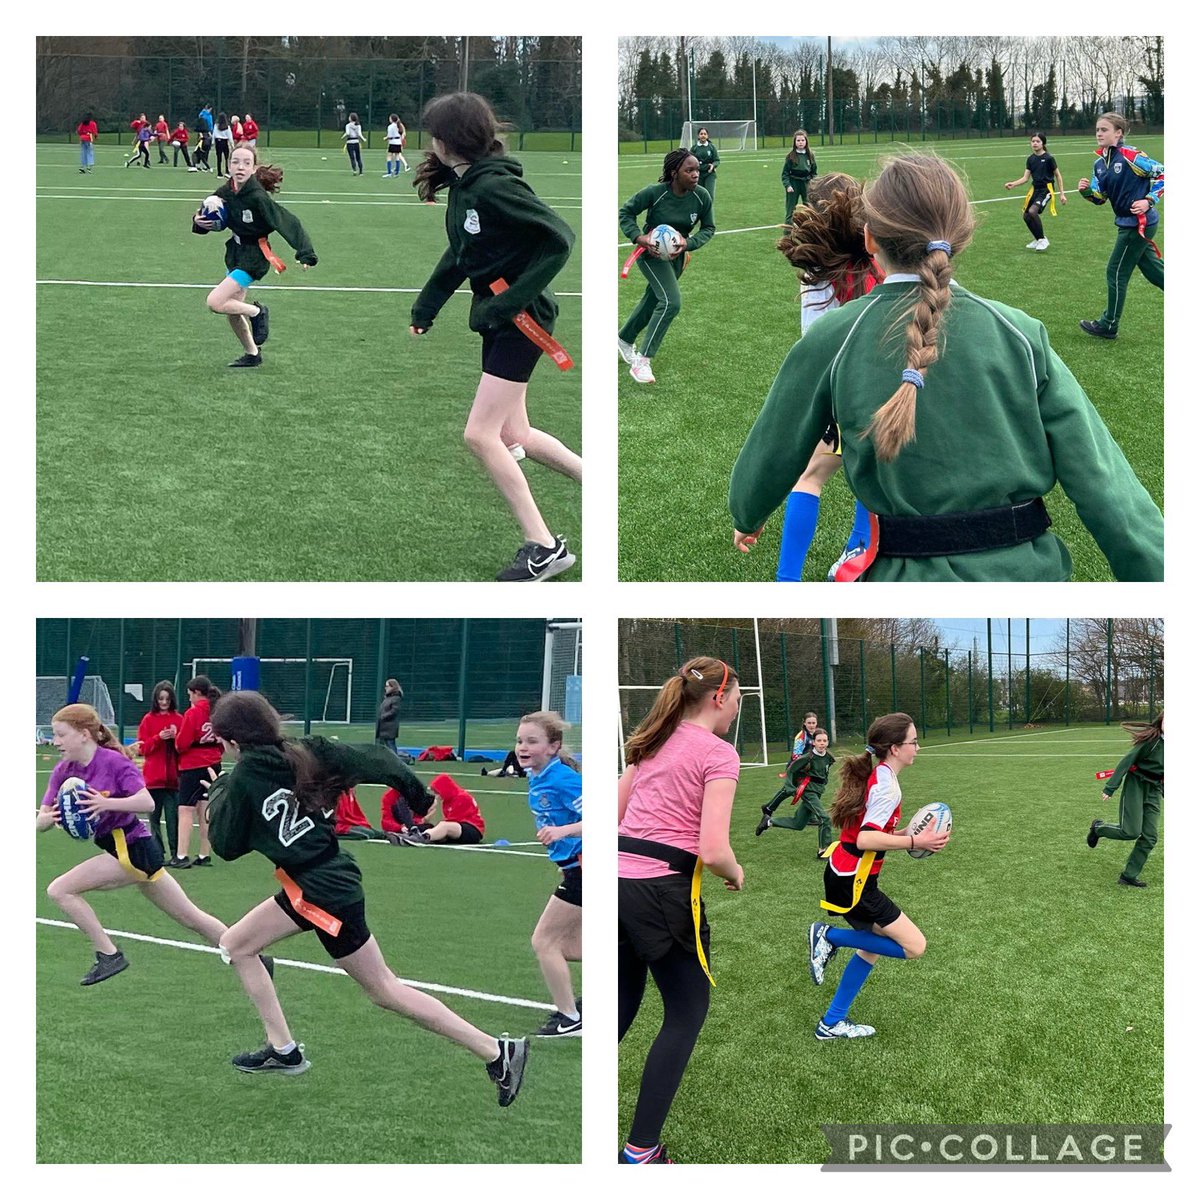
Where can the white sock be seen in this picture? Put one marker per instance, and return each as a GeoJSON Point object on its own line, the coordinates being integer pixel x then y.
{"type": "Point", "coordinates": [285, 1049]}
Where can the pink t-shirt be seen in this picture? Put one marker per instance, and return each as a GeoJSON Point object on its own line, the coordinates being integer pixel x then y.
{"type": "Point", "coordinates": [668, 795]}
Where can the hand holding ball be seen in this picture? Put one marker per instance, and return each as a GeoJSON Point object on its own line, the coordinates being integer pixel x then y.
{"type": "Point", "coordinates": [70, 806]}
{"type": "Point", "coordinates": [666, 242]}
{"type": "Point", "coordinates": [930, 828]}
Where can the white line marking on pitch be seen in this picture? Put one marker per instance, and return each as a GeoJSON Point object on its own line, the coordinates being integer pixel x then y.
{"type": "Point", "coordinates": [323, 968]}
{"type": "Point", "coordinates": [264, 287]}
{"type": "Point", "coordinates": [331, 203]}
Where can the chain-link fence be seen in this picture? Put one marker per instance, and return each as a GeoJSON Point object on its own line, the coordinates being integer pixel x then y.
{"type": "Point", "coordinates": [466, 682]}
{"type": "Point", "coordinates": [1086, 670]}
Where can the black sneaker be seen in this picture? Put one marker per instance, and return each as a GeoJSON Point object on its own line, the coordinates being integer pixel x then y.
{"type": "Point", "coordinates": [248, 360]}
{"type": "Point", "coordinates": [1123, 879]}
{"type": "Point", "coordinates": [509, 1068]}
{"type": "Point", "coordinates": [1098, 330]}
{"type": "Point", "coordinates": [413, 837]}
{"type": "Point", "coordinates": [1093, 835]}
{"type": "Point", "coordinates": [179, 864]}
{"type": "Point", "coordinates": [108, 965]}
{"type": "Point", "coordinates": [535, 562]}
{"type": "Point", "coordinates": [260, 326]}
{"type": "Point", "coordinates": [270, 1059]}
{"type": "Point", "coordinates": [202, 860]}
{"type": "Point", "coordinates": [560, 1025]}
{"type": "Point", "coordinates": [764, 823]}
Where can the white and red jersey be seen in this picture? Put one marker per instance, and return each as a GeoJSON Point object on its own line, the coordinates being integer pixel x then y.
{"type": "Point", "coordinates": [195, 741]}
{"type": "Point", "coordinates": [881, 812]}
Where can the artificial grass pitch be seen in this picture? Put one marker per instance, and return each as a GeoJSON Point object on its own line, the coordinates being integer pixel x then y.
{"type": "Point", "coordinates": [150, 1048]}
{"type": "Point", "coordinates": [1039, 999]}
{"type": "Point", "coordinates": [741, 315]}
{"type": "Point", "coordinates": [341, 457]}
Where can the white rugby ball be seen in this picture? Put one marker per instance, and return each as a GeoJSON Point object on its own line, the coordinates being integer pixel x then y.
{"type": "Point", "coordinates": [666, 242]}
{"type": "Point", "coordinates": [932, 816]}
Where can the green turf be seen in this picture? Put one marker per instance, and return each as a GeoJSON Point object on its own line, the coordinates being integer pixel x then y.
{"type": "Point", "coordinates": [150, 1048]}
{"type": "Point", "coordinates": [1039, 999]}
{"type": "Point", "coordinates": [680, 436]}
{"type": "Point", "coordinates": [341, 457]}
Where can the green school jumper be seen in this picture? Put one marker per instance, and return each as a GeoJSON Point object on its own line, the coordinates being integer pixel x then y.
{"type": "Point", "coordinates": [661, 301]}
{"type": "Point", "coordinates": [498, 228]}
{"type": "Point", "coordinates": [253, 808]}
{"type": "Point", "coordinates": [253, 214]}
{"type": "Point", "coordinates": [1000, 420]}
{"type": "Point", "coordinates": [796, 175]}
{"type": "Point", "coordinates": [1141, 774]}
{"type": "Point", "coordinates": [815, 768]}
{"type": "Point", "coordinates": [708, 158]}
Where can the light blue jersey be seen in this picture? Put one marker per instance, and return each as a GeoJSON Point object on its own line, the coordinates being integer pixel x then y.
{"type": "Point", "coordinates": [556, 798]}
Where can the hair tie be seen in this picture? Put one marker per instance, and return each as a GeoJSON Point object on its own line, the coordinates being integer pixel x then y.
{"type": "Point", "coordinates": [913, 376]}
{"type": "Point", "coordinates": [932, 246]}
{"type": "Point", "coordinates": [868, 750]}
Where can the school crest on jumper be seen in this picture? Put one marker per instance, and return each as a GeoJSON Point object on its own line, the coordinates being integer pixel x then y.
{"type": "Point", "coordinates": [471, 224]}
{"type": "Point", "coordinates": [1117, 167]}
{"type": "Point", "coordinates": [246, 215]}
{"type": "Point", "coordinates": [692, 218]}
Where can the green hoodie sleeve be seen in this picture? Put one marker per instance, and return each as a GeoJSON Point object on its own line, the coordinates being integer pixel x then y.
{"type": "Point", "coordinates": [519, 206]}
{"type": "Point", "coordinates": [707, 227]}
{"type": "Point", "coordinates": [228, 826]}
{"type": "Point", "coordinates": [1095, 475]}
{"type": "Point", "coordinates": [785, 175]}
{"type": "Point", "coordinates": [798, 768]}
{"type": "Point", "coordinates": [446, 279]}
{"type": "Point", "coordinates": [1118, 776]}
{"type": "Point", "coordinates": [371, 764]}
{"type": "Point", "coordinates": [288, 226]}
{"type": "Point", "coordinates": [637, 203]}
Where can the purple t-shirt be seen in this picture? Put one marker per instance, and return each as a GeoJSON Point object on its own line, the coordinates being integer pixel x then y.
{"type": "Point", "coordinates": [667, 796]}
{"type": "Point", "coordinates": [109, 772]}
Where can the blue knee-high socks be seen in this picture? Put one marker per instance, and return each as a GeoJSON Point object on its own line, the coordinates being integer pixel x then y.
{"type": "Point", "coordinates": [857, 969]}
{"type": "Point", "coordinates": [864, 939]}
{"type": "Point", "coordinates": [799, 526]}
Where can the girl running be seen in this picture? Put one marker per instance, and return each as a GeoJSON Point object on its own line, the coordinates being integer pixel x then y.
{"type": "Point", "coordinates": [251, 215]}
{"type": "Point", "coordinates": [160, 768]}
{"type": "Point", "coordinates": [88, 132]}
{"type": "Point", "coordinates": [807, 777]}
{"type": "Point", "coordinates": [1139, 775]}
{"type": "Point", "coordinates": [707, 155]}
{"type": "Point", "coordinates": [556, 799]}
{"type": "Point", "coordinates": [116, 794]}
{"type": "Point", "coordinates": [1133, 183]}
{"type": "Point", "coordinates": [279, 799]}
{"type": "Point", "coordinates": [223, 140]}
{"type": "Point", "coordinates": [799, 167]}
{"type": "Point", "coordinates": [953, 463]}
{"type": "Point", "coordinates": [199, 764]}
{"type": "Point", "coordinates": [396, 162]}
{"type": "Point", "coordinates": [681, 206]}
{"type": "Point", "coordinates": [674, 802]}
{"type": "Point", "coordinates": [805, 738]}
{"type": "Point", "coordinates": [136, 125]}
{"type": "Point", "coordinates": [1041, 171]}
{"type": "Point", "coordinates": [824, 242]}
{"type": "Point", "coordinates": [353, 137]}
{"type": "Point", "coordinates": [867, 810]}
{"type": "Point", "coordinates": [498, 230]}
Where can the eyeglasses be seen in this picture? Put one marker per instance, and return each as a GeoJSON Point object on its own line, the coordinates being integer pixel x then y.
{"type": "Point", "coordinates": [914, 742]}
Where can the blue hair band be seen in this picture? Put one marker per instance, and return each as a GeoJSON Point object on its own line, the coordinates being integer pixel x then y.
{"type": "Point", "coordinates": [932, 246]}
{"type": "Point", "coordinates": [913, 376]}
{"type": "Point", "coordinates": [868, 750]}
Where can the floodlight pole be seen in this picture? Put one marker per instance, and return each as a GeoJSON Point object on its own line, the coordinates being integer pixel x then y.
{"type": "Point", "coordinates": [754, 98]}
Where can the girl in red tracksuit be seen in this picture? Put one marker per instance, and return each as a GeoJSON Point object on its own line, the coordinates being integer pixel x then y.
{"type": "Point", "coordinates": [824, 242]}
{"type": "Point", "coordinates": [199, 763]}
{"type": "Point", "coordinates": [160, 768]}
{"type": "Point", "coordinates": [179, 140]}
{"type": "Point", "coordinates": [462, 823]}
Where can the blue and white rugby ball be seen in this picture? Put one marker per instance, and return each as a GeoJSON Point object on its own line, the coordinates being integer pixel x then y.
{"type": "Point", "coordinates": [74, 820]}
{"type": "Point", "coordinates": [932, 816]}
{"type": "Point", "coordinates": [666, 242]}
{"type": "Point", "coordinates": [213, 211]}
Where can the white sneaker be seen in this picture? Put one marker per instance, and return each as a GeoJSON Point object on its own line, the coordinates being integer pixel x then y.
{"type": "Point", "coordinates": [1032, 245]}
{"type": "Point", "coordinates": [640, 369]}
{"type": "Point", "coordinates": [845, 556]}
{"type": "Point", "coordinates": [627, 350]}
{"type": "Point", "coordinates": [1042, 244]}
{"type": "Point", "coordinates": [843, 1029]}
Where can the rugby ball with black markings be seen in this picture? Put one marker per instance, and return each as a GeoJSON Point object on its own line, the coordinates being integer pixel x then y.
{"type": "Point", "coordinates": [934, 816]}
{"type": "Point", "coordinates": [74, 820]}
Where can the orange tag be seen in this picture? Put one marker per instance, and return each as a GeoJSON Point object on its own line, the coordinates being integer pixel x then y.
{"type": "Point", "coordinates": [271, 257]}
{"type": "Point", "coordinates": [536, 334]}
{"type": "Point", "coordinates": [324, 921]}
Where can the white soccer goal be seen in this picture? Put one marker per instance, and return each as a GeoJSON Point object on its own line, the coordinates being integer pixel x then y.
{"type": "Point", "coordinates": [52, 695]}
{"type": "Point", "coordinates": [727, 136]}
{"type": "Point", "coordinates": [283, 680]}
{"type": "Point", "coordinates": [562, 670]}
{"type": "Point", "coordinates": [749, 730]}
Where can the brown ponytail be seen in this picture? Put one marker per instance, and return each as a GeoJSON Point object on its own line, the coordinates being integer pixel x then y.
{"type": "Point", "coordinates": [917, 201]}
{"type": "Point", "coordinates": [687, 688]}
{"type": "Point", "coordinates": [1144, 731]}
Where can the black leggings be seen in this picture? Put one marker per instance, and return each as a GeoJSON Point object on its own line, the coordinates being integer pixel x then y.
{"type": "Point", "coordinates": [355, 153]}
{"type": "Point", "coordinates": [182, 149]}
{"type": "Point", "coordinates": [1033, 218]}
{"type": "Point", "coordinates": [222, 145]}
{"type": "Point", "coordinates": [685, 993]}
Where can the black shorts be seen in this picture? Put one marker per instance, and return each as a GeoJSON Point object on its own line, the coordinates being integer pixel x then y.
{"type": "Point", "coordinates": [874, 907]}
{"type": "Point", "coordinates": [1040, 199]}
{"type": "Point", "coordinates": [655, 915]}
{"type": "Point", "coordinates": [470, 835]}
{"type": "Point", "coordinates": [190, 791]}
{"type": "Point", "coordinates": [509, 354]}
{"type": "Point", "coordinates": [145, 853]}
{"type": "Point", "coordinates": [353, 935]}
{"type": "Point", "coordinates": [571, 887]}
{"type": "Point", "coordinates": [395, 147]}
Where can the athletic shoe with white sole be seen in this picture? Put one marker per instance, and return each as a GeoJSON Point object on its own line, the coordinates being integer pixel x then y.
{"type": "Point", "coordinates": [270, 1059]}
{"type": "Point", "coordinates": [535, 562]}
{"type": "Point", "coordinates": [247, 360]}
{"type": "Point", "coordinates": [843, 1029]}
{"type": "Point", "coordinates": [560, 1025]}
{"type": "Point", "coordinates": [1032, 245]}
{"type": "Point", "coordinates": [845, 556]}
{"type": "Point", "coordinates": [820, 951]}
{"type": "Point", "coordinates": [641, 370]}
{"type": "Point", "coordinates": [509, 1068]}
{"type": "Point", "coordinates": [627, 350]}
{"type": "Point", "coordinates": [1043, 244]}
{"type": "Point", "coordinates": [105, 967]}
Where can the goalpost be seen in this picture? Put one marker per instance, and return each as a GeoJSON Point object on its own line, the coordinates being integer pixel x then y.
{"type": "Point", "coordinates": [562, 670]}
{"type": "Point", "coordinates": [285, 679]}
{"type": "Point", "coordinates": [749, 731]}
{"type": "Point", "coordinates": [727, 136]}
{"type": "Point", "coordinates": [52, 695]}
